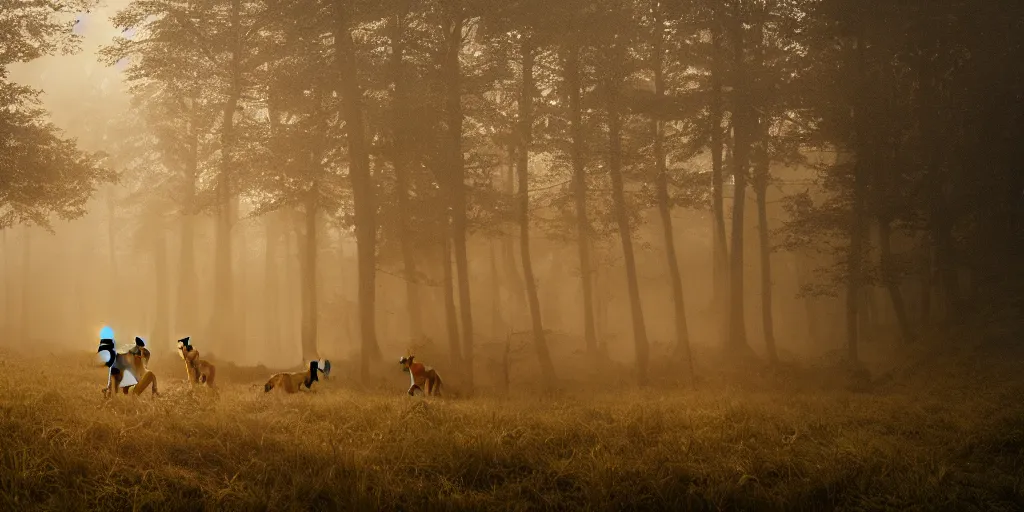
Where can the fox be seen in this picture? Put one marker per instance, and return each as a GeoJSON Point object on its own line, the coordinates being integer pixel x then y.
{"type": "Point", "coordinates": [292, 382]}
{"type": "Point", "coordinates": [422, 377]}
{"type": "Point", "coordinates": [198, 371]}
{"type": "Point", "coordinates": [128, 371]}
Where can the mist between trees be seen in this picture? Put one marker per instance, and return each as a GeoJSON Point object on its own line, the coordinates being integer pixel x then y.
{"type": "Point", "coordinates": [629, 182]}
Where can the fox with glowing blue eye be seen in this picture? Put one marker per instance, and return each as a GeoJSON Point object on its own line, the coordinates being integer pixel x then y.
{"type": "Point", "coordinates": [128, 371]}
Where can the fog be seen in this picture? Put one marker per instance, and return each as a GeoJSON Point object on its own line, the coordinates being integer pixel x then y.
{"type": "Point", "coordinates": [142, 256]}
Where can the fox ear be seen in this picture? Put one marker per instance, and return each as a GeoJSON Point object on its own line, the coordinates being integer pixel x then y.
{"type": "Point", "coordinates": [139, 342]}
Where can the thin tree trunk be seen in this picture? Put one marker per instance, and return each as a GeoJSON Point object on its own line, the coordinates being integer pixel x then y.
{"type": "Point", "coordinates": [308, 268]}
{"type": "Point", "coordinates": [720, 250]}
{"type": "Point", "coordinates": [742, 125]}
{"type": "Point", "coordinates": [682, 346]}
{"type": "Point", "coordinates": [275, 234]}
{"type": "Point", "coordinates": [400, 163]}
{"type": "Point", "coordinates": [891, 279]}
{"type": "Point", "coordinates": [239, 318]}
{"type": "Point", "coordinates": [9, 313]}
{"type": "Point", "coordinates": [453, 110]}
{"type": "Point", "coordinates": [496, 323]}
{"type": "Point", "coordinates": [450, 314]}
{"type": "Point", "coordinates": [186, 312]}
{"type": "Point", "coordinates": [27, 311]}
{"type": "Point", "coordinates": [857, 224]}
{"type": "Point", "coordinates": [941, 221]}
{"type": "Point", "coordinates": [600, 305]}
{"type": "Point", "coordinates": [579, 179]}
{"type": "Point", "coordinates": [526, 97]}
{"type": "Point", "coordinates": [293, 262]}
{"type": "Point", "coordinates": [271, 295]}
{"type": "Point", "coordinates": [767, 322]}
{"type": "Point", "coordinates": [362, 188]}
{"type": "Point", "coordinates": [513, 280]}
{"type": "Point", "coordinates": [625, 233]}
{"type": "Point", "coordinates": [223, 315]}
{"type": "Point", "coordinates": [162, 326]}
{"type": "Point", "coordinates": [115, 274]}
{"type": "Point", "coordinates": [762, 175]}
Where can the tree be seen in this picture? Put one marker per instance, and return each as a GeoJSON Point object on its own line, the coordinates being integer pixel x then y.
{"type": "Point", "coordinates": [363, 194]}
{"type": "Point", "coordinates": [614, 52]}
{"type": "Point", "coordinates": [453, 19]}
{"type": "Point", "coordinates": [401, 160]}
{"type": "Point", "coordinates": [45, 174]}
{"type": "Point", "coordinates": [664, 208]}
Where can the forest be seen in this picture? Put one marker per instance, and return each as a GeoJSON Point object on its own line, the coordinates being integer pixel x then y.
{"type": "Point", "coordinates": [750, 208]}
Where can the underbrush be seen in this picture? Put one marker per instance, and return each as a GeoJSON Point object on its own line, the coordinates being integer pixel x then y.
{"type": "Point", "coordinates": [947, 436]}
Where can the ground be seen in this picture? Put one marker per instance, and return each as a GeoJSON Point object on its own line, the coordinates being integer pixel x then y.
{"type": "Point", "coordinates": [941, 434]}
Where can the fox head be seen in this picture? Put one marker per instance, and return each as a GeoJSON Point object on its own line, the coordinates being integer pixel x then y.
{"type": "Point", "coordinates": [317, 367]}
{"type": "Point", "coordinates": [406, 362]}
{"type": "Point", "coordinates": [106, 353]}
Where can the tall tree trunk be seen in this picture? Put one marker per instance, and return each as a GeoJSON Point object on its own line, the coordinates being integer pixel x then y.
{"type": "Point", "coordinates": [601, 298]}
{"type": "Point", "coordinates": [113, 291]}
{"type": "Point", "coordinates": [496, 323]}
{"type": "Point", "coordinates": [525, 122]}
{"type": "Point", "coordinates": [614, 83]}
{"type": "Point", "coordinates": [762, 175]}
{"type": "Point", "coordinates": [720, 253]}
{"type": "Point", "coordinates": [223, 316]}
{"type": "Point", "coordinates": [239, 319]}
{"type": "Point", "coordinates": [9, 311]}
{"type": "Point", "coordinates": [272, 290]}
{"type": "Point", "coordinates": [856, 249]}
{"type": "Point", "coordinates": [362, 186]}
{"type": "Point", "coordinates": [742, 127]}
{"type": "Point", "coordinates": [309, 279]}
{"type": "Point", "coordinates": [940, 221]}
{"type": "Point", "coordinates": [276, 236]}
{"type": "Point", "coordinates": [457, 183]}
{"type": "Point", "coordinates": [400, 163]}
{"type": "Point", "coordinates": [513, 280]}
{"type": "Point", "coordinates": [881, 195]}
{"type": "Point", "coordinates": [891, 279]}
{"type": "Point", "coordinates": [579, 180]}
{"type": "Point", "coordinates": [186, 312]}
{"type": "Point", "coordinates": [450, 314]}
{"type": "Point", "coordinates": [293, 271]}
{"type": "Point", "coordinates": [27, 311]}
{"type": "Point", "coordinates": [682, 346]}
{"type": "Point", "coordinates": [162, 325]}
{"type": "Point", "coordinates": [767, 322]}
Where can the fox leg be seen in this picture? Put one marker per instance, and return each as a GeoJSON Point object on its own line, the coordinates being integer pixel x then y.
{"type": "Point", "coordinates": [190, 373]}
{"type": "Point", "coordinates": [147, 379]}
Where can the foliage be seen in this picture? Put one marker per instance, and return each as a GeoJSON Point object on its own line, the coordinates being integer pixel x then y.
{"type": "Point", "coordinates": [41, 172]}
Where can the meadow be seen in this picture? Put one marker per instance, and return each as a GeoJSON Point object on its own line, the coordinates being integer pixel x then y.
{"type": "Point", "coordinates": [943, 433]}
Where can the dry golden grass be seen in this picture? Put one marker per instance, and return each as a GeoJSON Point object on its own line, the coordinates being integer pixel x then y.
{"type": "Point", "coordinates": [946, 437]}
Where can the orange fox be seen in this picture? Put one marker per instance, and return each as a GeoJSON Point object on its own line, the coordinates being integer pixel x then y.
{"type": "Point", "coordinates": [422, 377]}
{"type": "Point", "coordinates": [293, 382]}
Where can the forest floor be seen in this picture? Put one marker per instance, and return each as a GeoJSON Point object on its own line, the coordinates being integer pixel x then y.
{"type": "Point", "coordinates": [943, 434]}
